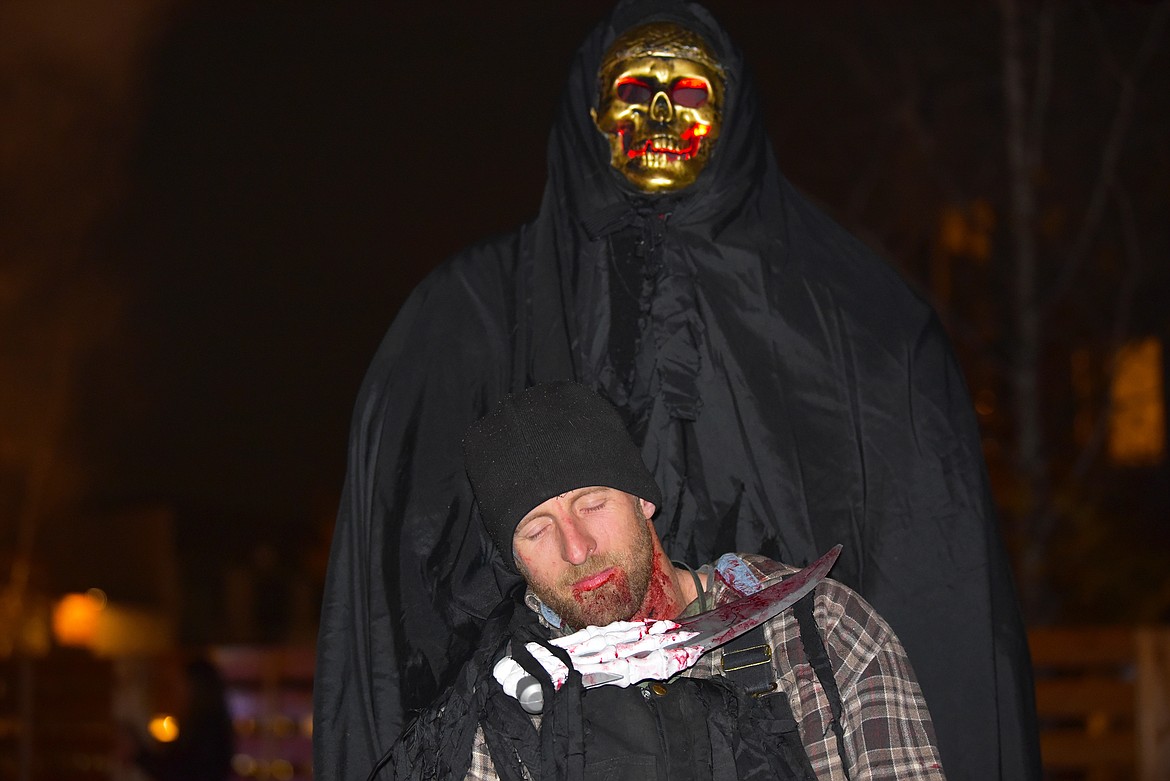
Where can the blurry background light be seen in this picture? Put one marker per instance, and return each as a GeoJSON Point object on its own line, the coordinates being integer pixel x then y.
{"type": "Point", "coordinates": [244, 765]}
{"type": "Point", "coordinates": [98, 596]}
{"type": "Point", "coordinates": [281, 770]}
{"type": "Point", "coordinates": [283, 726]}
{"type": "Point", "coordinates": [164, 728]}
{"type": "Point", "coordinates": [1137, 430]}
{"type": "Point", "coordinates": [75, 618]}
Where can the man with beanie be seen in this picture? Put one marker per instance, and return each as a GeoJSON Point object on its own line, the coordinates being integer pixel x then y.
{"type": "Point", "coordinates": [563, 493]}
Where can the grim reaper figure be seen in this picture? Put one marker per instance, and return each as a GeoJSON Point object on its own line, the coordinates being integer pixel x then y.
{"type": "Point", "coordinates": [787, 389]}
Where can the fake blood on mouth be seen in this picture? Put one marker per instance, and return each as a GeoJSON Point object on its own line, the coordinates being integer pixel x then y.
{"type": "Point", "coordinates": [693, 136]}
{"type": "Point", "coordinates": [603, 592]}
{"type": "Point", "coordinates": [593, 581]}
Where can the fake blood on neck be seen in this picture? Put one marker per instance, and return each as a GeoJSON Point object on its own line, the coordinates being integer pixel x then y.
{"type": "Point", "coordinates": [662, 599]}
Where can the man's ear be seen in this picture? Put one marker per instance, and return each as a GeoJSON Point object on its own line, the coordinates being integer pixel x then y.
{"type": "Point", "coordinates": [648, 508]}
{"type": "Point", "coordinates": [521, 567]}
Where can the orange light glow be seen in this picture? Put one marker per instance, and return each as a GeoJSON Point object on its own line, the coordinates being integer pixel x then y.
{"type": "Point", "coordinates": [164, 728]}
{"type": "Point", "coordinates": [245, 765]}
{"type": "Point", "coordinates": [965, 231]}
{"type": "Point", "coordinates": [281, 770]}
{"type": "Point", "coordinates": [75, 618]}
{"type": "Point", "coordinates": [1137, 425]}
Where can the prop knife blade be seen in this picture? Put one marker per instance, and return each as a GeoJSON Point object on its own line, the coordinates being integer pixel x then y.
{"type": "Point", "coordinates": [718, 626]}
{"type": "Point", "coordinates": [725, 623]}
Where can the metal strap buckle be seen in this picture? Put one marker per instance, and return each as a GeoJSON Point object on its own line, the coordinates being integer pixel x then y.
{"type": "Point", "coordinates": [764, 648]}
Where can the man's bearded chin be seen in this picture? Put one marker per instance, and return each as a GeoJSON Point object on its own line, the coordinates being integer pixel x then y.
{"type": "Point", "coordinates": [617, 599]}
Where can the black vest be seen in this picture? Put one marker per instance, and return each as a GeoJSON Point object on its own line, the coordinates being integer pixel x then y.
{"type": "Point", "coordinates": [687, 728]}
{"type": "Point", "coordinates": [690, 728]}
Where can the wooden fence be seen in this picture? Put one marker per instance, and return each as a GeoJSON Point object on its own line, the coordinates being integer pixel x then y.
{"type": "Point", "coordinates": [1103, 699]}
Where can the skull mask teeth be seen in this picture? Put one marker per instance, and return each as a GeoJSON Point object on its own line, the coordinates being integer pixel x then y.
{"type": "Point", "coordinates": [660, 105]}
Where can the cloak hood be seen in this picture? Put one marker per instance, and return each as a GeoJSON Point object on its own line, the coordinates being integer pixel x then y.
{"type": "Point", "coordinates": [597, 226]}
{"type": "Point", "coordinates": [581, 178]}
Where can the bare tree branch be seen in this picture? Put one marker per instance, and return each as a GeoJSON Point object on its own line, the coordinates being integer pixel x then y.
{"type": "Point", "coordinates": [1123, 309]}
{"type": "Point", "coordinates": [1022, 219]}
{"type": "Point", "coordinates": [1042, 91]}
{"type": "Point", "coordinates": [1111, 152]}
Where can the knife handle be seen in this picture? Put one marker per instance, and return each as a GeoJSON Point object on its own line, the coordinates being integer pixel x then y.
{"type": "Point", "coordinates": [530, 695]}
{"type": "Point", "coordinates": [528, 692]}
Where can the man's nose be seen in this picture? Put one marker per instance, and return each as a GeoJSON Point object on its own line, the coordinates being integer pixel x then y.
{"type": "Point", "coordinates": [576, 542]}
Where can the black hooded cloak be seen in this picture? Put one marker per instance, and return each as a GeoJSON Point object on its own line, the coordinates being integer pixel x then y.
{"type": "Point", "coordinates": [788, 391]}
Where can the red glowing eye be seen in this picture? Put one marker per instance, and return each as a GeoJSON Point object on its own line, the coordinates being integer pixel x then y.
{"type": "Point", "coordinates": [689, 93]}
{"type": "Point", "coordinates": [633, 91]}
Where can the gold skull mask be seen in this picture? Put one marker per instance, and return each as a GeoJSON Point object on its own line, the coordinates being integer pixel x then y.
{"type": "Point", "coordinates": [660, 105]}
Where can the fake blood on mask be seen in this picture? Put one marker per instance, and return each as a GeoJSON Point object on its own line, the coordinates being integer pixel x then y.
{"type": "Point", "coordinates": [692, 136]}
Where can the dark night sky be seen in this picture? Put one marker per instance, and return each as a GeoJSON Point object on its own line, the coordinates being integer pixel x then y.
{"type": "Point", "coordinates": [298, 170]}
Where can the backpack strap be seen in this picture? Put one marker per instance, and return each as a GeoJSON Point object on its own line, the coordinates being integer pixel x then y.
{"type": "Point", "coordinates": [818, 657]}
{"type": "Point", "coordinates": [747, 659]}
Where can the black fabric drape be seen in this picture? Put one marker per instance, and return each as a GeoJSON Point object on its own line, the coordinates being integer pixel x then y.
{"type": "Point", "coordinates": [788, 391]}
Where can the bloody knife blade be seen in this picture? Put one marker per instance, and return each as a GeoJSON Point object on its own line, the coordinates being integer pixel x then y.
{"type": "Point", "coordinates": [725, 623]}
{"type": "Point", "coordinates": [715, 627]}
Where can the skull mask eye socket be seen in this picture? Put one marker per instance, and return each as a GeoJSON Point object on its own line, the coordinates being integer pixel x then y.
{"type": "Point", "coordinates": [633, 91]}
{"type": "Point", "coordinates": [689, 93]}
{"type": "Point", "coordinates": [660, 105]}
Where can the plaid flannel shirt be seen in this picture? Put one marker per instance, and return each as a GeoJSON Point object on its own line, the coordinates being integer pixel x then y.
{"type": "Point", "coordinates": [886, 724]}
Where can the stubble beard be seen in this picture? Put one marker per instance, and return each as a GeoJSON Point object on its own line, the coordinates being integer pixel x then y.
{"type": "Point", "coordinates": [618, 598]}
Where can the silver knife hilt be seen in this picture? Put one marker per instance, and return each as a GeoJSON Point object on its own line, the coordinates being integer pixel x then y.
{"type": "Point", "coordinates": [530, 695]}
{"type": "Point", "coordinates": [528, 691]}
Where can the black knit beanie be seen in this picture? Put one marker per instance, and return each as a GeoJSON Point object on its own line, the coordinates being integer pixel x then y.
{"type": "Point", "coordinates": [542, 442]}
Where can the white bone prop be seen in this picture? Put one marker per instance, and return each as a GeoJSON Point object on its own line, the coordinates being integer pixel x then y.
{"type": "Point", "coordinates": [624, 652]}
